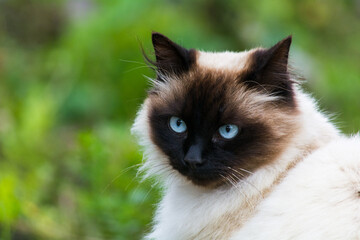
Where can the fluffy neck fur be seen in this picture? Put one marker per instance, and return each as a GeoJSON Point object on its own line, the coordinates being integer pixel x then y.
{"type": "Point", "coordinates": [191, 212]}
{"type": "Point", "coordinates": [263, 87]}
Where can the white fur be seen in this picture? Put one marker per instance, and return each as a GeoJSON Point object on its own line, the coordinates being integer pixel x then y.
{"type": "Point", "coordinates": [313, 200]}
{"type": "Point", "coordinates": [223, 60]}
{"type": "Point", "coordinates": [154, 161]}
{"type": "Point", "coordinates": [318, 199]}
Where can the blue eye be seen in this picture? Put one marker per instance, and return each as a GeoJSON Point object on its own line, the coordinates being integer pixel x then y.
{"type": "Point", "coordinates": [177, 125]}
{"type": "Point", "coordinates": [228, 131]}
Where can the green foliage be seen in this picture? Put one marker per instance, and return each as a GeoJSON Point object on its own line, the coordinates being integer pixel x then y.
{"type": "Point", "coordinates": [71, 80]}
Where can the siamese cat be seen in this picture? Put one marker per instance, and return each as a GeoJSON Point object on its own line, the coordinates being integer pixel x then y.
{"type": "Point", "coordinates": [241, 151]}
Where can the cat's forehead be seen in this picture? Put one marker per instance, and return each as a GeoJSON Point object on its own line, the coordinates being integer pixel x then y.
{"type": "Point", "coordinates": [214, 84]}
{"type": "Point", "coordinates": [201, 84]}
{"type": "Point", "coordinates": [210, 73]}
{"type": "Point", "coordinates": [209, 92]}
{"type": "Point", "coordinates": [223, 60]}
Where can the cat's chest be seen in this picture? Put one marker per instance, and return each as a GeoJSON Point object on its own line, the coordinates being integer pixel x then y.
{"type": "Point", "coordinates": [319, 199]}
{"type": "Point", "coordinates": [186, 214]}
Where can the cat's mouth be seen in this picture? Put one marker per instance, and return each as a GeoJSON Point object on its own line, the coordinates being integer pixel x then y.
{"type": "Point", "coordinates": [205, 177]}
{"type": "Point", "coordinates": [206, 181]}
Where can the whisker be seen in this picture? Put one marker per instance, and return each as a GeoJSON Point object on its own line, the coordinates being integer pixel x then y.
{"type": "Point", "coordinates": [118, 176]}
{"type": "Point", "coordinates": [132, 180]}
{"type": "Point", "coordinates": [147, 194]}
{"type": "Point", "coordinates": [247, 171]}
{"type": "Point", "coordinates": [248, 201]}
{"type": "Point", "coordinates": [244, 180]}
{"type": "Point", "coordinates": [135, 68]}
{"type": "Point", "coordinates": [161, 169]}
{"type": "Point", "coordinates": [234, 177]}
{"type": "Point", "coordinates": [232, 169]}
{"type": "Point", "coordinates": [130, 61]}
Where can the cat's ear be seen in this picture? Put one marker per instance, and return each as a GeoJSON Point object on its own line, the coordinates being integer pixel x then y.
{"type": "Point", "coordinates": [268, 69]}
{"type": "Point", "coordinates": [171, 58]}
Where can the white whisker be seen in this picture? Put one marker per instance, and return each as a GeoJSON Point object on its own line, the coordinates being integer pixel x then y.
{"type": "Point", "coordinates": [242, 179]}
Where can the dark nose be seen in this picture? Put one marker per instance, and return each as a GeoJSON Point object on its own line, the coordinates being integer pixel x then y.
{"type": "Point", "coordinates": [193, 157]}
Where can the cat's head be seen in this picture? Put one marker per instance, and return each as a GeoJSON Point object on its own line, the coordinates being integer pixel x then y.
{"type": "Point", "coordinates": [217, 117]}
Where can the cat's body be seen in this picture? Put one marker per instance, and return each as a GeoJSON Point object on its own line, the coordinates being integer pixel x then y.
{"type": "Point", "coordinates": [295, 178]}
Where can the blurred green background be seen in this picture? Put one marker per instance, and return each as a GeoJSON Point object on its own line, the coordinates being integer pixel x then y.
{"type": "Point", "coordinates": [71, 80]}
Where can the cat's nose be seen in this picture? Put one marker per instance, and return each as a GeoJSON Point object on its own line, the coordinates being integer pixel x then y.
{"type": "Point", "coordinates": [193, 157]}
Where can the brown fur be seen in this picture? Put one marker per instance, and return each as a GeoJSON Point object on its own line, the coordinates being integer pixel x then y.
{"type": "Point", "coordinates": [272, 121]}
{"type": "Point", "coordinates": [251, 90]}
{"type": "Point", "coordinates": [230, 221]}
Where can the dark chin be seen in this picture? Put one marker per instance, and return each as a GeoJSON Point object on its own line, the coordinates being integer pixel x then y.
{"type": "Point", "coordinates": [208, 183]}
{"type": "Point", "coordinates": [205, 180]}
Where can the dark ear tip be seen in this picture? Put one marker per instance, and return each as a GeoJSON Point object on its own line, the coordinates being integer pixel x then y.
{"type": "Point", "coordinates": [287, 41]}
{"type": "Point", "coordinates": [155, 36]}
{"type": "Point", "coordinates": [283, 44]}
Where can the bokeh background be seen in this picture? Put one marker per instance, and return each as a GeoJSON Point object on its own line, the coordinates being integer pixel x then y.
{"type": "Point", "coordinates": [72, 78]}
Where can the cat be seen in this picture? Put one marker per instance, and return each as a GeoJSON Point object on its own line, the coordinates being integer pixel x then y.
{"type": "Point", "coordinates": [241, 151]}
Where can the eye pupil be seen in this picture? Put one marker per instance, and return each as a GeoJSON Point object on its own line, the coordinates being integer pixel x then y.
{"type": "Point", "coordinates": [228, 128]}
{"type": "Point", "coordinates": [228, 131]}
{"type": "Point", "coordinates": [178, 122]}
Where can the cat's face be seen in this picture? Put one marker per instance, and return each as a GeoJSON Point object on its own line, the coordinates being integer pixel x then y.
{"type": "Point", "coordinates": [219, 117]}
